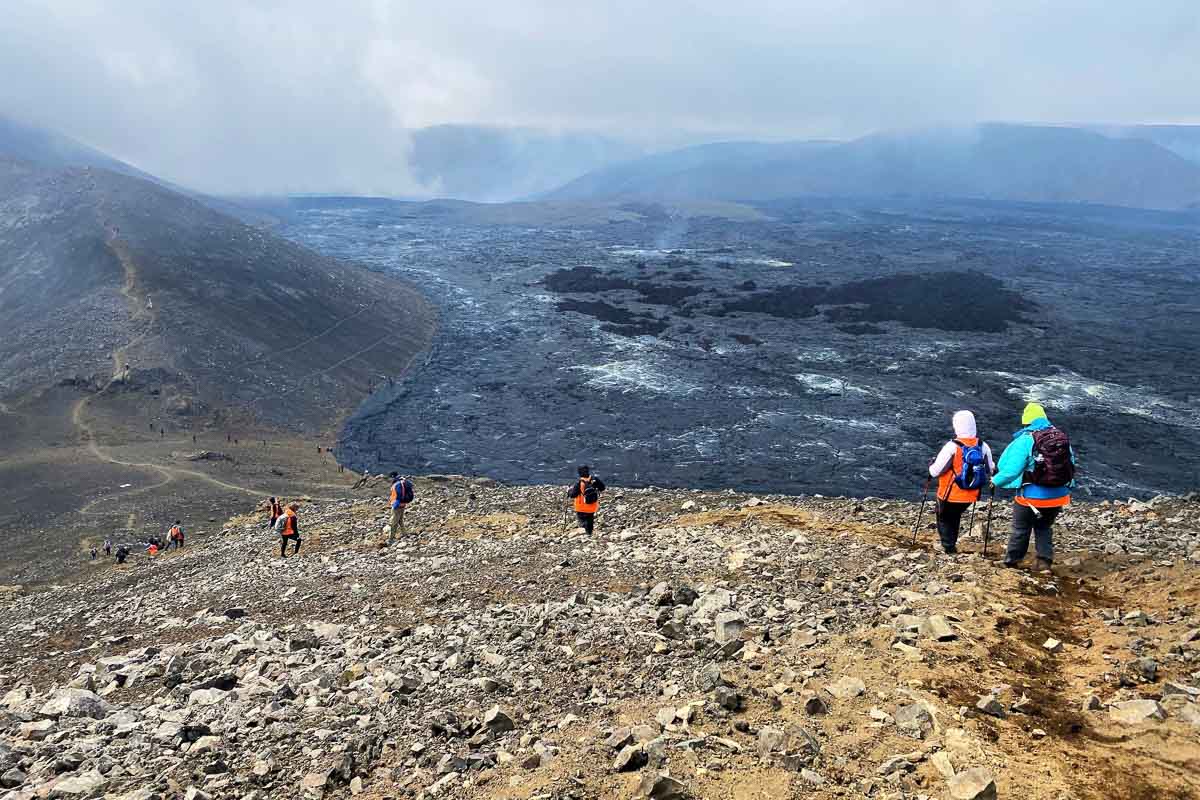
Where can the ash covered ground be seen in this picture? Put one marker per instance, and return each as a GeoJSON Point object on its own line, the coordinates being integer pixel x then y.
{"type": "Point", "coordinates": [818, 348]}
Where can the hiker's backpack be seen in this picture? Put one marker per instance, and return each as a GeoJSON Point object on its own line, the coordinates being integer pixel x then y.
{"type": "Point", "coordinates": [281, 524]}
{"type": "Point", "coordinates": [973, 470]}
{"type": "Point", "coordinates": [404, 491]}
{"type": "Point", "coordinates": [1053, 466]}
{"type": "Point", "coordinates": [590, 494]}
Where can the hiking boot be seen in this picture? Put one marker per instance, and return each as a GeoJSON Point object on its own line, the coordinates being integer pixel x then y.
{"type": "Point", "coordinates": [1011, 564]}
{"type": "Point", "coordinates": [951, 551]}
{"type": "Point", "coordinates": [1043, 565]}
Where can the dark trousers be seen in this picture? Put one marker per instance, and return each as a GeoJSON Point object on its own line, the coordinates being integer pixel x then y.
{"type": "Point", "coordinates": [949, 521]}
{"type": "Point", "coordinates": [586, 521]}
{"type": "Point", "coordinates": [1025, 519]}
{"type": "Point", "coordinates": [283, 542]}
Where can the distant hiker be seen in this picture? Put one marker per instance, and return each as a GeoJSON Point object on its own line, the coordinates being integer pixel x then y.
{"type": "Point", "coordinates": [288, 528]}
{"type": "Point", "coordinates": [275, 510]}
{"type": "Point", "coordinates": [107, 547]}
{"type": "Point", "coordinates": [95, 552]}
{"type": "Point", "coordinates": [402, 494]}
{"type": "Point", "coordinates": [1040, 464]}
{"type": "Point", "coordinates": [962, 468]}
{"type": "Point", "coordinates": [122, 554]}
{"type": "Point", "coordinates": [175, 536]}
{"type": "Point", "coordinates": [586, 494]}
{"type": "Point", "coordinates": [152, 550]}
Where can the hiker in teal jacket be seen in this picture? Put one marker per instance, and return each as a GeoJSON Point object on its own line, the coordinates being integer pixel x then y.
{"type": "Point", "coordinates": [1043, 484]}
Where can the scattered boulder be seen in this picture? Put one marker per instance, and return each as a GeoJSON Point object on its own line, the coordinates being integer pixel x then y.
{"type": "Point", "coordinates": [972, 784]}
{"type": "Point", "coordinates": [75, 703]}
{"type": "Point", "coordinates": [937, 627]}
{"type": "Point", "coordinates": [846, 688]}
{"type": "Point", "coordinates": [1135, 712]}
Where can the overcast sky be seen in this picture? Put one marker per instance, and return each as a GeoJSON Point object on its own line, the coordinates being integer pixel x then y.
{"type": "Point", "coordinates": [315, 95]}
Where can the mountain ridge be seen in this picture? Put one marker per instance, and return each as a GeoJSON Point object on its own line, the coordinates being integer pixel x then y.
{"type": "Point", "coordinates": [990, 161]}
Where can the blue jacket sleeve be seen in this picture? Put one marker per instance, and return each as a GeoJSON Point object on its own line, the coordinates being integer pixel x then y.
{"type": "Point", "coordinates": [1014, 463]}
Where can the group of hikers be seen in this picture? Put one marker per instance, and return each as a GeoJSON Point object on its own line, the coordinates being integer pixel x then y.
{"type": "Point", "coordinates": [152, 546]}
{"type": "Point", "coordinates": [1038, 464]}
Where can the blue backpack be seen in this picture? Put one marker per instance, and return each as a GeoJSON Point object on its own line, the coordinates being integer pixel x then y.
{"type": "Point", "coordinates": [974, 471]}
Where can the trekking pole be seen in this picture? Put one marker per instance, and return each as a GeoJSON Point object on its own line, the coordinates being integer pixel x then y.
{"type": "Point", "coordinates": [987, 529]}
{"type": "Point", "coordinates": [971, 524]}
{"type": "Point", "coordinates": [921, 511]}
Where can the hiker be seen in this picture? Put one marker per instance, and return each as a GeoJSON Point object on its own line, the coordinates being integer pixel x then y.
{"type": "Point", "coordinates": [175, 536]}
{"type": "Point", "coordinates": [122, 554]}
{"type": "Point", "coordinates": [288, 527]}
{"type": "Point", "coordinates": [402, 494]}
{"type": "Point", "coordinates": [586, 494]}
{"type": "Point", "coordinates": [962, 467]}
{"type": "Point", "coordinates": [107, 548]}
{"type": "Point", "coordinates": [276, 511]}
{"type": "Point", "coordinates": [152, 550]}
{"type": "Point", "coordinates": [95, 552]}
{"type": "Point", "coordinates": [1040, 464]}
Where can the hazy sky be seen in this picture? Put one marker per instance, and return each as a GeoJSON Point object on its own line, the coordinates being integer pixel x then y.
{"type": "Point", "coordinates": [315, 95]}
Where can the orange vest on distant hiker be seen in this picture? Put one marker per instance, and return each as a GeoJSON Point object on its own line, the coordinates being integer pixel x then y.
{"type": "Point", "coordinates": [289, 523]}
{"type": "Point", "coordinates": [582, 506]}
{"type": "Point", "coordinates": [175, 534]}
{"type": "Point", "coordinates": [950, 491]}
{"type": "Point", "coordinates": [153, 550]}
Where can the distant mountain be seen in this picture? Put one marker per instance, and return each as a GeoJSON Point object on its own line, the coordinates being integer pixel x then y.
{"type": "Point", "coordinates": [1182, 140]}
{"type": "Point", "coordinates": [129, 288]}
{"type": "Point", "coordinates": [993, 161]}
{"type": "Point", "coordinates": [471, 162]}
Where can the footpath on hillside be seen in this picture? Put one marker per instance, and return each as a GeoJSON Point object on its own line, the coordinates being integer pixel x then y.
{"type": "Point", "coordinates": [702, 644]}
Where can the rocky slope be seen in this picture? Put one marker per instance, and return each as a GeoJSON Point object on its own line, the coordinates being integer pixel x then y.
{"type": "Point", "coordinates": [702, 645]}
{"type": "Point", "coordinates": [119, 283]}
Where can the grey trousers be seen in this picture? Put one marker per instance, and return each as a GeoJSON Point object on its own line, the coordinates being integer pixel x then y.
{"type": "Point", "coordinates": [1024, 521]}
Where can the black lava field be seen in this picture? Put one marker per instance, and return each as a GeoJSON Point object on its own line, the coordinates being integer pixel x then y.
{"type": "Point", "coordinates": [820, 348]}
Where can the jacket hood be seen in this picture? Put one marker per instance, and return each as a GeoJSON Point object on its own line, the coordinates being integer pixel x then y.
{"type": "Point", "coordinates": [1032, 412]}
{"type": "Point", "coordinates": [964, 425]}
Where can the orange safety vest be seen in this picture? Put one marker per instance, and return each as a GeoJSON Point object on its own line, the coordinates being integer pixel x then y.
{"type": "Point", "coordinates": [153, 550]}
{"type": "Point", "coordinates": [950, 491]}
{"type": "Point", "coordinates": [175, 533]}
{"type": "Point", "coordinates": [289, 524]}
{"type": "Point", "coordinates": [582, 506]}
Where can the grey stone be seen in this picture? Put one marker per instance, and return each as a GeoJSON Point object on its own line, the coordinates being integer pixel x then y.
{"type": "Point", "coordinates": [12, 778]}
{"type": "Point", "coordinates": [972, 784]}
{"type": "Point", "coordinates": [938, 627]}
{"type": "Point", "coordinates": [896, 764]}
{"type": "Point", "coordinates": [497, 721]}
{"type": "Point", "coordinates": [914, 720]}
{"type": "Point", "coordinates": [989, 704]}
{"type": "Point", "coordinates": [1134, 712]}
{"type": "Point", "coordinates": [661, 787]}
{"type": "Point", "coordinates": [84, 784]}
{"type": "Point", "coordinates": [728, 626]}
{"type": "Point", "coordinates": [846, 688]}
{"type": "Point", "coordinates": [1147, 668]}
{"type": "Point", "coordinates": [815, 706]}
{"type": "Point", "coordinates": [75, 703]}
{"type": "Point", "coordinates": [727, 698]}
{"type": "Point", "coordinates": [630, 758]}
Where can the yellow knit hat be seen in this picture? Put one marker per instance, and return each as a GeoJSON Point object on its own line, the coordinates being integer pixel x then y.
{"type": "Point", "coordinates": [1032, 411]}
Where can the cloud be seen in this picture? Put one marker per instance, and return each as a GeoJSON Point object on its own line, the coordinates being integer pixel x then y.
{"type": "Point", "coordinates": [301, 95]}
